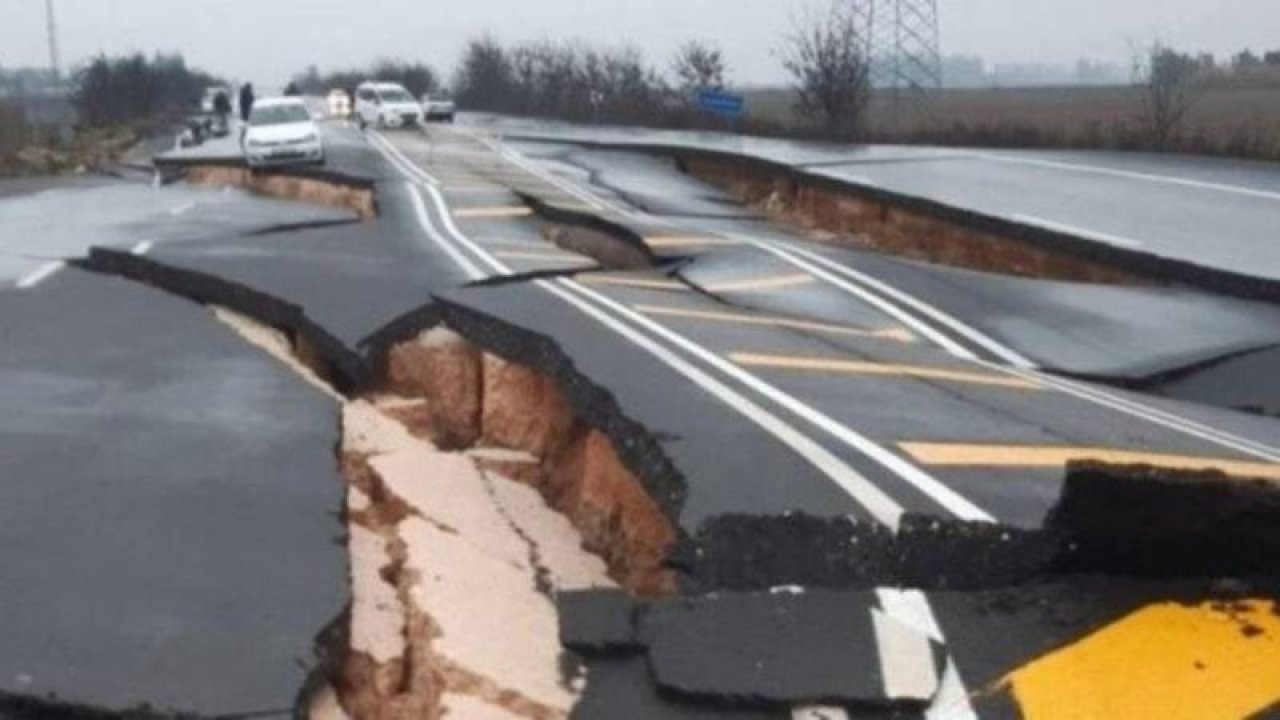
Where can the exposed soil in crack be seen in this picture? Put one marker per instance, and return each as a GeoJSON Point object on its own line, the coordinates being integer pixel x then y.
{"type": "Point", "coordinates": [455, 566]}
{"type": "Point", "coordinates": [846, 218]}
{"type": "Point", "coordinates": [351, 195]}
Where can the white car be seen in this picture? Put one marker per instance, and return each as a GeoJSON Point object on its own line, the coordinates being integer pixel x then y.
{"type": "Point", "coordinates": [439, 108]}
{"type": "Point", "coordinates": [280, 131]}
{"type": "Point", "coordinates": [386, 105]}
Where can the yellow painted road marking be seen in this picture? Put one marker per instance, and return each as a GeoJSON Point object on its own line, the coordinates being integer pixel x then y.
{"type": "Point", "coordinates": [493, 212]}
{"type": "Point", "coordinates": [897, 334]}
{"type": "Point", "coordinates": [758, 284]}
{"type": "Point", "coordinates": [922, 372]}
{"type": "Point", "coordinates": [958, 454]}
{"type": "Point", "coordinates": [678, 241]}
{"type": "Point", "coordinates": [541, 256]}
{"type": "Point", "coordinates": [636, 282]}
{"type": "Point", "coordinates": [1169, 661]}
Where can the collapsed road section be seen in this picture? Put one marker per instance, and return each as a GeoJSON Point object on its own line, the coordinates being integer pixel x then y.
{"type": "Point", "coordinates": [531, 487]}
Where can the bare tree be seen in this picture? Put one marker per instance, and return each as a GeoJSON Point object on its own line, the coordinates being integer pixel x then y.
{"type": "Point", "coordinates": [699, 65]}
{"type": "Point", "coordinates": [1169, 81]}
{"type": "Point", "coordinates": [826, 57]}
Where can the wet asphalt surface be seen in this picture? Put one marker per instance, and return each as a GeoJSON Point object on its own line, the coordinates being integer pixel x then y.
{"type": "Point", "coordinates": [1212, 212]}
{"type": "Point", "coordinates": [220, 562]}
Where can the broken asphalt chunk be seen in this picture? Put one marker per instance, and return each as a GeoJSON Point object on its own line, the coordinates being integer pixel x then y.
{"type": "Point", "coordinates": [598, 621]}
{"type": "Point", "coordinates": [790, 647]}
{"type": "Point", "coordinates": [1140, 520]}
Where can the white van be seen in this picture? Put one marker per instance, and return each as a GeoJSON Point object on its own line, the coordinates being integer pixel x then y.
{"type": "Point", "coordinates": [386, 105]}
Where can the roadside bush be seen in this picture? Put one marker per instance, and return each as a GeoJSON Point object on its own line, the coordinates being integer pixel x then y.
{"type": "Point", "coordinates": [132, 88]}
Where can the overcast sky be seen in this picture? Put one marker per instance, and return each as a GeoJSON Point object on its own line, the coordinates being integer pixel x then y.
{"type": "Point", "coordinates": [267, 40]}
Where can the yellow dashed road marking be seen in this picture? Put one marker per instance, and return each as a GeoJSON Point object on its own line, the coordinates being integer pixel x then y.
{"type": "Point", "coordinates": [896, 334]}
{"type": "Point", "coordinates": [958, 454]}
{"type": "Point", "coordinates": [759, 284]}
{"type": "Point", "coordinates": [636, 282]}
{"type": "Point", "coordinates": [853, 367]}
{"type": "Point", "coordinates": [1168, 661]}
{"type": "Point", "coordinates": [493, 212]}
{"type": "Point", "coordinates": [678, 241]}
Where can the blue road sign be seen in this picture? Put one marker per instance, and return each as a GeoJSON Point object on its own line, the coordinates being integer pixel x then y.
{"type": "Point", "coordinates": [719, 102]}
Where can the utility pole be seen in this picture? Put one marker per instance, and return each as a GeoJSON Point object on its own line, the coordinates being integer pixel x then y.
{"type": "Point", "coordinates": [53, 38]}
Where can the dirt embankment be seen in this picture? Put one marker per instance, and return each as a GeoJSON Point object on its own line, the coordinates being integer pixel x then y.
{"type": "Point", "coordinates": [849, 219]}
{"type": "Point", "coordinates": [357, 197]}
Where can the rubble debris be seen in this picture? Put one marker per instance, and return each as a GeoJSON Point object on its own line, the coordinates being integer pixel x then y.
{"type": "Point", "coordinates": [597, 621]}
{"type": "Point", "coordinates": [1134, 519]}
{"type": "Point", "coordinates": [454, 609]}
{"type": "Point", "coordinates": [755, 553]}
{"type": "Point", "coordinates": [802, 648]}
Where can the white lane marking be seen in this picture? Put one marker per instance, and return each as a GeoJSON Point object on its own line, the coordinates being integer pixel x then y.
{"type": "Point", "coordinates": [878, 504]}
{"type": "Point", "coordinates": [40, 274]}
{"type": "Point", "coordinates": [871, 497]}
{"type": "Point", "coordinates": [1065, 229]}
{"type": "Point", "coordinates": [957, 705]}
{"type": "Point", "coordinates": [1153, 415]}
{"type": "Point", "coordinates": [952, 701]}
{"type": "Point", "coordinates": [911, 608]}
{"type": "Point", "coordinates": [973, 335]}
{"type": "Point", "coordinates": [1133, 175]}
{"type": "Point", "coordinates": [887, 308]}
{"type": "Point", "coordinates": [185, 207]}
{"type": "Point", "coordinates": [1021, 366]}
{"type": "Point", "coordinates": [399, 159]}
{"type": "Point", "coordinates": [420, 208]}
{"type": "Point", "coordinates": [907, 665]}
{"type": "Point", "coordinates": [141, 248]}
{"type": "Point", "coordinates": [955, 503]}
{"type": "Point", "coordinates": [924, 482]}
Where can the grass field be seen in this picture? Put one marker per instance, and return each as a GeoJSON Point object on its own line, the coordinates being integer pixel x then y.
{"type": "Point", "coordinates": [1231, 116]}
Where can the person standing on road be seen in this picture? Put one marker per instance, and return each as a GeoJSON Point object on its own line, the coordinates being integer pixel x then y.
{"type": "Point", "coordinates": [246, 101]}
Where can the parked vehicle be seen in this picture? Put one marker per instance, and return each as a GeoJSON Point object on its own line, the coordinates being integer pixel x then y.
{"type": "Point", "coordinates": [439, 108]}
{"type": "Point", "coordinates": [281, 131]}
{"type": "Point", "coordinates": [386, 105]}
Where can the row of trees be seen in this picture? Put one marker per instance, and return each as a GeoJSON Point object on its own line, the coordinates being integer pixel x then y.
{"type": "Point", "coordinates": [134, 88]}
{"type": "Point", "coordinates": [416, 77]}
{"type": "Point", "coordinates": [574, 81]}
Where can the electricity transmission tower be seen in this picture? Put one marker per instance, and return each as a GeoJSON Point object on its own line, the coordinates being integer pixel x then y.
{"type": "Point", "coordinates": [902, 45]}
{"type": "Point", "coordinates": [53, 38]}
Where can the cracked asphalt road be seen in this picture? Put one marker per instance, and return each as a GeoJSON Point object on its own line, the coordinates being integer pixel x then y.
{"type": "Point", "coordinates": [778, 378]}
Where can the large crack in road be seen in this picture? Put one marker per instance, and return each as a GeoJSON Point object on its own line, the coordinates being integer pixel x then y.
{"type": "Point", "coordinates": [500, 492]}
